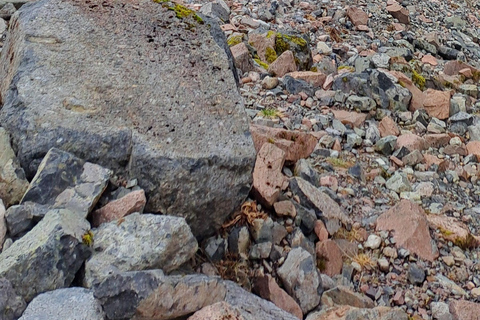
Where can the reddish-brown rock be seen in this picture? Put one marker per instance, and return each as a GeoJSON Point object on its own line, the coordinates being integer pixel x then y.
{"type": "Point", "coordinates": [268, 180]}
{"type": "Point", "coordinates": [452, 229]}
{"type": "Point", "coordinates": [357, 16]}
{"type": "Point", "coordinates": [411, 142]}
{"type": "Point", "coordinates": [242, 58]}
{"type": "Point", "coordinates": [437, 140]}
{"type": "Point", "coordinates": [410, 226]}
{"type": "Point", "coordinates": [285, 208]}
{"type": "Point", "coordinates": [431, 159]}
{"type": "Point", "coordinates": [430, 60]}
{"type": "Point", "coordinates": [295, 144]}
{"type": "Point", "coordinates": [473, 147]}
{"type": "Point", "coordinates": [316, 79]}
{"type": "Point", "coordinates": [320, 230]}
{"type": "Point", "coordinates": [284, 64]}
{"type": "Point", "coordinates": [332, 255]}
{"type": "Point", "coordinates": [130, 203]}
{"type": "Point", "coordinates": [453, 67]}
{"type": "Point", "coordinates": [464, 310]}
{"type": "Point", "coordinates": [399, 12]}
{"type": "Point", "coordinates": [217, 311]}
{"type": "Point", "coordinates": [418, 97]}
{"type": "Point", "coordinates": [451, 150]}
{"type": "Point", "coordinates": [388, 127]}
{"type": "Point", "coordinates": [267, 288]}
{"type": "Point", "coordinates": [437, 103]}
{"type": "Point", "coordinates": [356, 119]}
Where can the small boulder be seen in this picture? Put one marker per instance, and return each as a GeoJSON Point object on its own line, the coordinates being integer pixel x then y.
{"type": "Point", "coordinates": [130, 203]}
{"type": "Point", "coordinates": [329, 251]}
{"type": "Point", "coordinates": [357, 16]}
{"type": "Point", "coordinates": [284, 64]}
{"type": "Point", "coordinates": [437, 103]}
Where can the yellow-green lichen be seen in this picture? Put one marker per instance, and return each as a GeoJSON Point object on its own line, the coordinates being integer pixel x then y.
{"type": "Point", "coordinates": [282, 42]}
{"type": "Point", "coordinates": [469, 242]}
{"type": "Point", "coordinates": [180, 11]}
{"type": "Point", "coordinates": [232, 41]}
{"type": "Point", "coordinates": [270, 34]}
{"type": "Point", "coordinates": [418, 79]}
{"type": "Point", "coordinates": [314, 69]}
{"type": "Point", "coordinates": [348, 68]}
{"type": "Point", "coordinates": [270, 55]}
{"type": "Point", "coordinates": [87, 238]}
{"type": "Point", "coordinates": [261, 63]}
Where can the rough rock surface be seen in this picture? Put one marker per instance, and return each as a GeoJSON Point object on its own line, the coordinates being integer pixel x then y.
{"type": "Point", "coordinates": [48, 257]}
{"type": "Point", "coordinates": [62, 304]}
{"type": "Point", "coordinates": [11, 305]}
{"type": "Point", "coordinates": [150, 116]}
{"type": "Point", "coordinates": [130, 203]}
{"type": "Point", "coordinates": [139, 242]}
{"type": "Point", "coordinates": [217, 311]}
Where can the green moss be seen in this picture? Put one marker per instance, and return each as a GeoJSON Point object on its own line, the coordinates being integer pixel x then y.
{"type": "Point", "coordinates": [270, 34]}
{"type": "Point", "coordinates": [180, 11]}
{"type": "Point", "coordinates": [322, 263]}
{"type": "Point", "coordinates": [261, 63]}
{"type": "Point", "coordinates": [469, 242]}
{"type": "Point", "coordinates": [232, 41]}
{"type": "Point", "coordinates": [281, 45]}
{"type": "Point", "coordinates": [349, 68]}
{"type": "Point", "coordinates": [314, 69]}
{"type": "Point", "coordinates": [345, 79]}
{"type": "Point", "coordinates": [270, 54]}
{"type": "Point", "coordinates": [418, 79]}
{"type": "Point", "coordinates": [87, 238]}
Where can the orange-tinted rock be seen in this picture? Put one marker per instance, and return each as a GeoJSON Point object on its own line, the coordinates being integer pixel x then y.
{"type": "Point", "coordinates": [399, 12]}
{"type": "Point", "coordinates": [464, 310]}
{"type": "Point", "coordinates": [217, 311]}
{"type": "Point", "coordinates": [418, 97]}
{"type": "Point", "coordinates": [437, 140]}
{"type": "Point", "coordinates": [330, 251]}
{"type": "Point", "coordinates": [267, 288]}
{"type": "Point", "coordinates": [320, 230]}
{"type": "Point", "coordinates": [411, 142]}
{"type": "Point", "coordinates": [430, 60]}
{"type": "Point", "coordinates": [284, 64]}
{"type": "Point", "coordinates": [388, 127]}
{"type": "Point", "coordinates": [130, 203]}
{"type": "Point", "coordinates": [242, 58]}
{"type": "Point", "coordinates": [268, 180]}
{"type": "Point", "coordinates": [285, 208]}
{"type": "Point", "coordinates": [430, 160]}
{"type": "Point", "coordinates": [356, 119]}
{"type": "Point", "coordinates": [473, 147]}
{"type": "Point", "coordinates": [357, 16]}
{"type": "Point", "coordinates": [295, 144]}
{"type": "Point", "coordinates": [316, 79]}
{"type": "Point", "coordinates": [410, 226]}
{"type": "Point", "coordinates": [437, 103]}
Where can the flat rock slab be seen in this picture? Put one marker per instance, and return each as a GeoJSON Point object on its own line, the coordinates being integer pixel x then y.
{"type": "Point", "coordinates": [61, 304]}
{"type": "Point", "coordinates": [139, 242]}
{"type": "Point", "coordinates": [136, 89]}
{"type": "Point", "coordinates": [47, 257]}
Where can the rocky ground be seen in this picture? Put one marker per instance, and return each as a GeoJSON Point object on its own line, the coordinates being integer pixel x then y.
{"type": "Point", "coordinates": [364, 203]}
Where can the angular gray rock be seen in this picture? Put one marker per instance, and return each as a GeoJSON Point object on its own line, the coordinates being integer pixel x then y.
{"type": "Point", "coordinates": [12, 177]}
{"type": "Point", "coordinates": [11, 305]}
{"type": "Point", "coordinates": [217, 8]}
{"type": "Point", "coordinates": [177, 123]}
{"type": "Point", "coordinates": [313, 198]}
{"type": "Point", "coordinates": [64, 304]}
{"type": "Point", "coordinates": [47, 257]}
{"type": "Point", "coordinates": [139, 242]}
{"type": "Point", "coordinates": [22, 218]}
{"type": "Point", "coordinates": [305, 170]}
{"type": "Point", "coordinates": [65, 181]}
{"type": "Point", "coordinates": [301, 279]}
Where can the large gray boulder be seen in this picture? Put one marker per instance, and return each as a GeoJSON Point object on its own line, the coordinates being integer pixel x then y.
{"type": "Point", "coordinates": [61, 304]}
{"type": "Point", "coordinates": [143, 88]}
{"type": "Point", "coordinates": [47, 257]}
{"type": "Point", "coordinates": [139, 242]}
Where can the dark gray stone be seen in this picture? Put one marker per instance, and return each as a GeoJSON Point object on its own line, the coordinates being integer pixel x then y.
{"type": "Point", "coordinates": [47, 257]}
{"type": "Point", "coordinates": [215, 248]}
{"type": "Point", "coordinates": [386, 145]}
{"type": "Point", "coordinates": [177, 123]}
{"type": "Point", "coordinates": [239, 241]}
{"type": "Point", "coordinates": [416, 275]}
{"type": "Point", "coordinates": [305, 170]}
{"type": "Point", "coordinates": [22, 218]}
{"type": "Point", "coordinates": [295, 86]}
{"type": "Point", "coordinates": [64, 304]}
{"type": "Point", "coordinates": [11, 305]}
{"type": "Point", "coordinates": [448, 53]}
{"type": "Point", "coordinates": [462, 117]}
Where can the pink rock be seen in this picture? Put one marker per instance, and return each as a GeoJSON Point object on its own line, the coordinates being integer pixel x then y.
{"type": "Point", "coordinates": [430, 60]}
{"type": "Point", "coordinates": [399, 12]}
{"type": "Point", "coordinates": [261, 42]}
{"type": "Point", "coordinates": [467, 73]}
{"type": "Point", "coordinates": [320, 230]}
{"type": "Point", "coordinates": [316, 79]}
{"type": "Point", "coordinates": [453, 67]}
{"type": "Point", "coordinates": [430, 160]}
{"type": "Point", "coordinates": [463, 310]}
{"type": "Point", "coordinates": [388, 127]}
{"type": "Point", "coordinates": [329, 250]}
{"type": "Point", "coordinates": [285, 208]}
{"type": "Point", "coordinates": [437, 103]}
{"type": "Point", "coordinates": [330, 182]}
{"type": "Point", "coordinates": [217, 311]}
{"type": "Point", "coordinates": [284, 64]}
{"type": "Point", "coordinates": [267, 288]}
{"type": "Point", "coordinates": [411, 142]}
{"type": "Point", "coordinates": [242, 58]}
{"type": "Point", "coordinates": [130, 203]}
{"type": "Point", "coordinates": [350, 117]}
{"type": "Point", "coordinates": [357, 16]}
{"type": "Point", "coordinates": [295, 144]}
{"type": "Point", "coordinates": [328, 82]}
{"type": "Point", "coordinates": [268, 180]}
{"type": "Point", "coordinates": [456, 230]}
{"type": "Point", "coordinates": [410, 226]}
{"type": "Point", "coordinates": [418, 97]}
{"type": "Point", "coordinates": [473, 147]}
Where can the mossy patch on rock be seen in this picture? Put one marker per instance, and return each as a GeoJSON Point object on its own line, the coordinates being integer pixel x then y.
{"type": "Point", "coordinates": [181, 12]}
{"type": "Point", "coordinates": [298, 46]}
{"type": "Point", "coordinates": [418, 79]}
{"type": "Point", "coordinates": [234, 40]}
{"type": "Point", "coordinates": [261, 63]}
{"type": "Point", "coordinates": [270, 55]}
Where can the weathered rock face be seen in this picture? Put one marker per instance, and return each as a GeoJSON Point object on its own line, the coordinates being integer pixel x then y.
{"type": "Point", "coordinates": [62, 304]}
{"type": "Point", "coordinates": [176, 124]}
{"type": "Point", "coordinates": [11, 305]}
{"type": "Point", "coordinates": [139, 242]}
{"type": "Point", "coordinates": [48, 257]}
